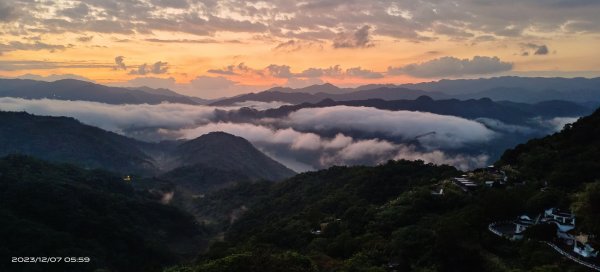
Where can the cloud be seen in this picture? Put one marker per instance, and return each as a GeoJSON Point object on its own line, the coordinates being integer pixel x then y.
{"type": "Point", "coordinates": [297, 45]}
{"type": "Point", "coordinates": [449, 131]}
{"type": "Point", "coordinates": [362, 73]}
{"type": "Point", "coordinates": [36, 46]}
{"type": "Point", "coordinates": [320, 152]}
{"type": "Point", "coordinates": [359, 39]}
{"type": "Point", "coordinates": [238, 69]}
{"type": "Point", "coordinates": [498, 125]}
{"type": "Point", "coordinates": [281, 71]}
{"type": "Point", "coordinates": [120, 63]}
{"type": "Point", "coordinates": [77, 12]}
{"type": "Point", "coordinates": [555, 124]}
{"type": "Point", "coordinates": [158, 67]}
{"type": "Point", "coordinates": [453, 67]}
{"type": "Point", "coordinates": [117, 118]}
{"type": "Point", "coordinates": [85, 38]}
{"type": "Point", "coordinates": [332, 71]}
{"type": "Point", "coordinates": [541, 49]}
{"type": "Point", "coordinates": [260, 105]}
{"type": "Point", "coordinates": [7, 13]}
{"type": "Point", "coordinates": [207, 87]}
{"type": "Point", "coordinates": [154, 40]}
{"type": "Point", "coordinates": [312, 20]}
{"type": "Point", "coordinates": [299, 148]}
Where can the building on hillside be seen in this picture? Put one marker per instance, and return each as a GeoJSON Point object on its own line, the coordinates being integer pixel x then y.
{"type": "Point", "coordinates": [465, 184]}
{"type": "Point", "coordinates": [564, 220]}
{"type": "Point", "coordinates": [521, 224]}
{"type": "Point", "coordinates": [582, 246]}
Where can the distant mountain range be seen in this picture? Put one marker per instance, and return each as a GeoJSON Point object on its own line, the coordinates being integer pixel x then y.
{"type": "Point", "coordinates": [515, 89]}
{"type": "Point", "coordinates": [61, 139]}
{"type": "Point", "coordinates": [300, 97]}
{"type": "Point", "coordinates": [507, 112]}
{"type": "Point", "coordinates": [71, 89]}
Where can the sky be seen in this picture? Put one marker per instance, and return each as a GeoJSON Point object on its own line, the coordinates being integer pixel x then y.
{"type": "Point", "coordinates": [220, 48]}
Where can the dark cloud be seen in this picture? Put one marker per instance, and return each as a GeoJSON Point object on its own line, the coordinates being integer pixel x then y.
{"type": "Point", "coordinates": [296, 45]}
{"type": "Point", "coordinates": [359, 39]}
{"type": "Point", "coordinates": [36, 46]}
{"type": "Point", "coordinates": [362, 73]}
{"type": "Point", "coordinates": [76, 12]}
{"type": "Point", "coordinates": [182, 41]}
{"type": "Point", "coordinates": [120, 63]}
{"type": "Point", "coordinates": [179, 4]}
{"type": "Point", "coordinates": [333, 71]}
{"type": "Point", "coordinates": [85, 38]}
{"type": "Point", "coordinates": [281, 71]}
{"type": "Point", "coordinates": [7, 13]}
{"type": "Point", "coordinates": [348, 23]}
{"type": "Point", "coordinates": [453, 67]}
{"type": "Point", "coordinates": [541, 49]}
{"type": "Point", "coordinates": [158, 67]}
{"type": "Point", "coordinates": [240, 68]}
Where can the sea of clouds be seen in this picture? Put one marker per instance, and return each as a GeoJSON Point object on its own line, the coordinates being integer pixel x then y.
{"type": "Point", "coordinates": [307, 139]}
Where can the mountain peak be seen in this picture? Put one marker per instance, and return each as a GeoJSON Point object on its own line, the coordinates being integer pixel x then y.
{"type": "Point", "coordinates": [224, 151]}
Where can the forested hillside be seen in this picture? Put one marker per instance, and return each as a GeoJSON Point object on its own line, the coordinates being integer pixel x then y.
{"type": "Point", "coordinates": [61, 210]}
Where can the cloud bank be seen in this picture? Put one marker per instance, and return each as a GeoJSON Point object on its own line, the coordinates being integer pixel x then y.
{"type": "Point", "coordinates": [307, 139]}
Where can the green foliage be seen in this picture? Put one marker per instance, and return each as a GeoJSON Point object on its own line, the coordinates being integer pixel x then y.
{"type": "Point", "coordinates": [259, 261]}
{"type": "Point", "coordinates": [62, 139]}
{"type": "Point", "coordinates": [587, 207]}
{"type": "Point", "coordinates": [62, 210]}
{"type": "Point", "coordinates": [566, 159]}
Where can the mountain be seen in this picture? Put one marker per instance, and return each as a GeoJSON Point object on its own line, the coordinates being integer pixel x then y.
{"type": "Point", "coordinates": [229, 152]}
{"type": "Point", "coordinates": [567, 158]}
{"type": "Point", "coordinates": [53, 210]}
{"type": "Point", "coordinates": [167, 92]}
{"type": "Point", "coordinates": [296, 96]}
{"type": "Point", "coordinates": [410, 216]}
{"type": "Point", "coordinates": [517, 89]}
{"type": "Point", "coordinates": [272, 96]}
{"type": "Point", "coordinates": [71, 89]}
{"type": "Point", "coordinates": [469, 86]}
{"type": "Point", "coordinates": [381, 218]}
{"type": "Point", "coordinates": [326, 88]}
{"type": "Point", "coordinates": [63, 139]}
{"type": "Point", "coordinates": [508, 112]}
{"type": "Point", "coordinates": [215, 159]}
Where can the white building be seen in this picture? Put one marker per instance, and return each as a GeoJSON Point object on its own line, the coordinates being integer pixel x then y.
{"type": "Point", "coordinates": [564, 220]}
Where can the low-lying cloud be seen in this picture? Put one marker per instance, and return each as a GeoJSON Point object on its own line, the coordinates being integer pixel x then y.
{"type": "Point", "coordinates": [432, 130]}
{"type": "Point", "coordinates": [307, 139]}
{"type": "Point", "coordinates": [312, 151]}
{"type": "Point", "coordinates": [116, 118]}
